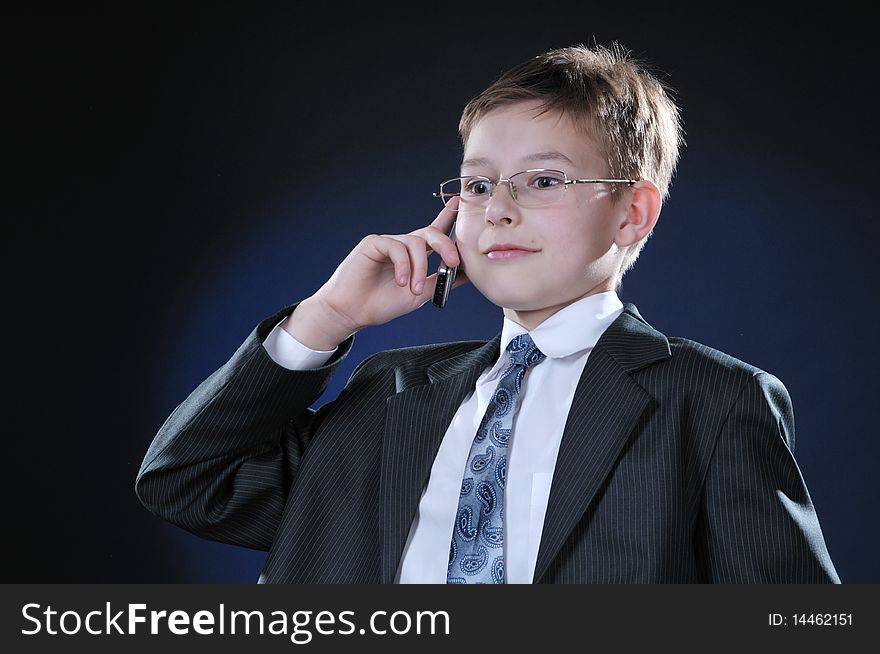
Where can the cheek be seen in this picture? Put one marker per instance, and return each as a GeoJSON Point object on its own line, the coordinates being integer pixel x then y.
{"type": "Point", "coordinates": [467, 232]}
{"type": "Point", "coordinates": [595, 229]}
{"type": "Point", "coordinates": [568, 238]}
{"type": "Point", "coordinates": [600, 213]}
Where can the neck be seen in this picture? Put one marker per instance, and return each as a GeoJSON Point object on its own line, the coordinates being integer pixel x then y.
{"type": "Point", "coordinates": [531, 318]}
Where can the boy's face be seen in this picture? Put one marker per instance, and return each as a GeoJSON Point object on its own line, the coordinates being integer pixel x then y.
{"type": "Point", "coordinates": [574, 239]}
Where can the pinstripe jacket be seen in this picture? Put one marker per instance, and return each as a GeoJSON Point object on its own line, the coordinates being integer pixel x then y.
{"type": "Point", "coordinates": [675, 465]}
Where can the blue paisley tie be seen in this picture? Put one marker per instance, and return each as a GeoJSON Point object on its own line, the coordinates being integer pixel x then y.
{"type": "Point", "coordinates": [476, 555]}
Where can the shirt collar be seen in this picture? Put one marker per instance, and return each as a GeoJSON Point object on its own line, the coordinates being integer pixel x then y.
{"type": "Point", "coordinates": [573, 329]}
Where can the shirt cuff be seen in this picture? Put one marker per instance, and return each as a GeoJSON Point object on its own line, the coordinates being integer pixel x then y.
{"type": "Point", "coordinates": [289, 353]}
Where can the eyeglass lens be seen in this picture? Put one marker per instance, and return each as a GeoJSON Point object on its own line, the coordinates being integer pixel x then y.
{"type": "Point", "coordinates": [530, 189]}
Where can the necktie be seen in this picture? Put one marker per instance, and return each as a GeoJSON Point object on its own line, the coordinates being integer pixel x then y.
{"type": "Point", "coordinates": [476, 555]}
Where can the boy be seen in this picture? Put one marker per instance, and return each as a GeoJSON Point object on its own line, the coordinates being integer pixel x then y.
{"type": "Point", "coordinates": [580, 445]}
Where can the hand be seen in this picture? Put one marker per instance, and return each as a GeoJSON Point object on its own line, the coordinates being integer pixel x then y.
{"type": "Point", "coordinates": [385, 277]}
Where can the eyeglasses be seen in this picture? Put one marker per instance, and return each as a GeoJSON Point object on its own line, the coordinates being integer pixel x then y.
{"type": "Point", "coordinates": [530, 189]}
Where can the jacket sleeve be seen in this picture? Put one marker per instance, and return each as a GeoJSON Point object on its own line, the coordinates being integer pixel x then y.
{"type": "Point", "coordinates": [758, 523]}
{"type": "Point", "coordinates": [222, 464]}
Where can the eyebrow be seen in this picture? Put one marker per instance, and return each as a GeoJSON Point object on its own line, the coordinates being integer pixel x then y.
{"type": "Point", "coordinates": [550, 155]}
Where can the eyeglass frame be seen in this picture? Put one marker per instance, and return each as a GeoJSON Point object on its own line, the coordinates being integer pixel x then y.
{"type": "Point", "coordinates": [512, 188]}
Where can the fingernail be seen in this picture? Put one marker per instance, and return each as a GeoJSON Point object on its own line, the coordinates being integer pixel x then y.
{"type": "Point", "coordinates": [419, 286]}
{"type": "Point", "coordinates": [404, 279]}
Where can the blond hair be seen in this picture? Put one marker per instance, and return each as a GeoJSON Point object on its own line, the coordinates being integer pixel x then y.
{"type": "Point", "coordinates": [608, 94]}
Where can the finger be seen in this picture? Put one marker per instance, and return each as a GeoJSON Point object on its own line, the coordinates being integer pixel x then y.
{"type": "Point", "coordinates": [418, 254]}
{"type": "Point", "coordinates": [397, 252]}
{"type": "Point", "coordinates": [447, 216]}
{"type": "Point", "coordinates": [439, 241]}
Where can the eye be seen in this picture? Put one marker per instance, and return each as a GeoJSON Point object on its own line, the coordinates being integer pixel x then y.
{"type": "Point", "coordinates": [545, 181]}
{"type": "Point", "coordinates": [477, 186]}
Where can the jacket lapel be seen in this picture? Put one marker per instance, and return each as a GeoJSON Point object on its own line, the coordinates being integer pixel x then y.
{"type": "Point", "coordinates": [416, 420]}
{"type": "Point", "coordinates": [606, 407]}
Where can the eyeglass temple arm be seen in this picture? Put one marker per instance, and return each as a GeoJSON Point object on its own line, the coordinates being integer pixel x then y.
{"type": "Point", "coordinates": [601, 181]}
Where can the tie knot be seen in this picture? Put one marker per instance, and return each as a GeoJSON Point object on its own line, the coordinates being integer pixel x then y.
{"type": "Point", "coordinates": [523, 351]}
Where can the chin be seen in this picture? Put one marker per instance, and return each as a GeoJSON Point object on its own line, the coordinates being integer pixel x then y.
{"type": "Point", "coordinates": [530, 299]}
{"type": "Point", "coordinates": [516, 301]}
{"type": "Point", "coordinates": [509, 296]}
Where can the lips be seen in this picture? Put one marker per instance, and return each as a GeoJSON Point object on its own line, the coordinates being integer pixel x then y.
{"type": "Point", "coordinates": [508, 251]}
{"type": "Point", "coordinates": [508, 254]}
{"type": "Point", "coordinates": [509, 246]}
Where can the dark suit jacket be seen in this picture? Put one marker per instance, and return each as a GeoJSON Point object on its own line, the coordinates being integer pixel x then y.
{"type": "Point", "coordinates": [675, 466]}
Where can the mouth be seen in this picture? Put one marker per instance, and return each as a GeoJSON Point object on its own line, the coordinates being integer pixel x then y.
{"type": "Point", "coordinates": [508, 251]}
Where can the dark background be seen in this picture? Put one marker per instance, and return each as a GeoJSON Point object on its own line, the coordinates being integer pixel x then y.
{"type": "Point", "coordinates": [176, 175]}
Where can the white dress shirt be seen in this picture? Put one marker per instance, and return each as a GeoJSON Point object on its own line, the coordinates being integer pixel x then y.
{"type": "Point", "coordinates": [566, 338]}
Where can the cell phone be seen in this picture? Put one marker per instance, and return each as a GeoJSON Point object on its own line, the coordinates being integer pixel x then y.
{"type": "Point", "coordinates": [445, 278]}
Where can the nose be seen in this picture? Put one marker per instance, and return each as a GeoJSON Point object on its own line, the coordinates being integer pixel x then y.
{"type": "Point", "coordinates": [501, 206]}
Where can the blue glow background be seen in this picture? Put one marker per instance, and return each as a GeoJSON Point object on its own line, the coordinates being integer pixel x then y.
{"type": "Point", "coordinates": [180, 175]}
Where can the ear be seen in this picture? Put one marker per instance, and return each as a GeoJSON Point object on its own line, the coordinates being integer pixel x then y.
{"type": "Point", "coordinates": [642, 211]}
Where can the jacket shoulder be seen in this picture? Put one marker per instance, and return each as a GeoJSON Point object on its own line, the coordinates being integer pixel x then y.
{"type": "Point", "coordinates": [687, 352]}
{"type": "Point", "coordinates": [414, 358]}
{"type": "Point", "coordinates": [706, 366]}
